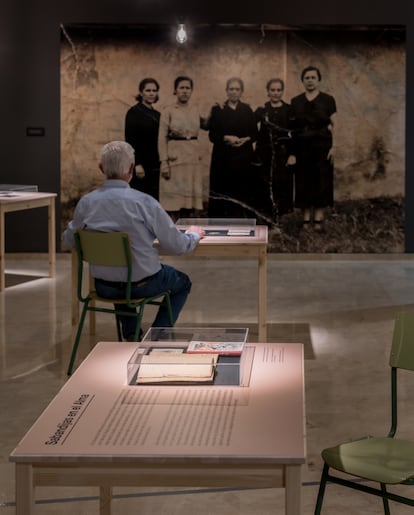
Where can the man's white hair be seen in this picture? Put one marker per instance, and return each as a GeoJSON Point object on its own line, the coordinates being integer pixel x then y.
{"type": "Point", "coordinates": [116, 159]}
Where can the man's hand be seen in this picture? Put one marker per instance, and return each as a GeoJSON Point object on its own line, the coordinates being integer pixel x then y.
{"type": "Point", "coordinates": [198, 230]}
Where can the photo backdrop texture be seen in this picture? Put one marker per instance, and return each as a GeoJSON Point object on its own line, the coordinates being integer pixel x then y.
{"type": "Point", "coordinates": [362, 67]}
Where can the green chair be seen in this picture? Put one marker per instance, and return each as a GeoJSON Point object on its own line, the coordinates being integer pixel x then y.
{"type": "Point", "coordinates": [109, 249]}
{"type": "Point", "coordinates": [386, 460]}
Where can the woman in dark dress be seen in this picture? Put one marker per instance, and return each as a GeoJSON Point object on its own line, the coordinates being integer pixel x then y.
{"type": "Point", "coordinates": [232, 131]}
{"type": "Point", "coordinates": [141, 132]}
{"type": "Point", "coordinates": [312, 123]}
{"type": "Point", "coordinates": [273, 150]}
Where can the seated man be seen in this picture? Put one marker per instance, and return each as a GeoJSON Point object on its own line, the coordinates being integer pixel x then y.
{"type": "Point", "coordinates": [115, 206]}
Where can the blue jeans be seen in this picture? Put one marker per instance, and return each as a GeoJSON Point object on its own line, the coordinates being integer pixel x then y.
{"type": "Point", "coordinates": [168, 278]}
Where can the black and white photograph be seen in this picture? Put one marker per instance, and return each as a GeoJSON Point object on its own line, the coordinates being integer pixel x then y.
{"type": "Point", "coordinates": [301, 129]}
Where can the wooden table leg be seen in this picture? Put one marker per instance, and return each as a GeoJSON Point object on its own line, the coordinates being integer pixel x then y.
{"type": "Point", "coordinates": [262, 296]}
{"type": "Point", "coordinates": [52, 237]}
{"type": "Point", "coordinates": [2, 251]}
{"type": "Point", "coordinates": [24, 489]}
{"type": "Point", "coordinates": [105, 498]}
{"type": "Point", "coordinates": [293, 490]}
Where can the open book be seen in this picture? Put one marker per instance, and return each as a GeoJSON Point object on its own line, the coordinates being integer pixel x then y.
{"type": "Point", "coordinates": [166, 367]}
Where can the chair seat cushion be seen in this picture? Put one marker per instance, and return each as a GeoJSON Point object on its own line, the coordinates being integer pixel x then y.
{"type": "Point", "coordinates": [386, 460]}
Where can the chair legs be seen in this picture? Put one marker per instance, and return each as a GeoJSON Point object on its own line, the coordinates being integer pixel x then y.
{"type": "Point", "coordinates": [139, 322]}
{"type": "Point", "coordinates": [324, 478]}
{"type": "Point", "coordinates": [139, 316]}
{"type": "Point", "coordinates": [385, 500]}
{"type": "Point", "coordinates": [167, 300]}
{"type": "Point", "coordinates": [77, 338]}
{"type": "Point", "coordinates": [118, 329]}
{"type": "Point", "coordinates": [321, 492]}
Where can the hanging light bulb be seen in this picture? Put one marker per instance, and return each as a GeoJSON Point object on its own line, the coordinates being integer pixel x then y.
{"type": "Point", "coordinates": [181, 36]}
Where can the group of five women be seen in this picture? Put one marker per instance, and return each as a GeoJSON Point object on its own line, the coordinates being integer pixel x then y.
{"type": "Point", "coordinates": [266, 161]}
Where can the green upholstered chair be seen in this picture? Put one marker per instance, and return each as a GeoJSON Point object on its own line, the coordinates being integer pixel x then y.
{"type": "Point", "coordinates": [386, 460]}
{"type": "Point", "coordinates": [108, 249]}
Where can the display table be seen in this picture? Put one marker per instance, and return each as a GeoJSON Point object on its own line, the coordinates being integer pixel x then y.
{"type": "Point", "coordinates": [19, 201]}
{"type": "Point", "coordinates": [243, 246]}
{"type": "Point", "coordinates": [214, 246]}
{"type": "Point", "coordinates": [99, 431]}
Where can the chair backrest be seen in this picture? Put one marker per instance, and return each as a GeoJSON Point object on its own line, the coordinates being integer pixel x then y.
{"type": "Point", "coordinates": [402, 349]}
{"type": "Point", "coordinates": [103, 248]}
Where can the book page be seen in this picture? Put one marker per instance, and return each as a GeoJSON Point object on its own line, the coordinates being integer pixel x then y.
{"type": "Point", "coordinates": [165, 367]}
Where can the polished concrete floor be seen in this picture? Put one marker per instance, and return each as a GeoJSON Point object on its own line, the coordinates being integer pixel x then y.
{"type": "Point", "coordinates": [341, 307]}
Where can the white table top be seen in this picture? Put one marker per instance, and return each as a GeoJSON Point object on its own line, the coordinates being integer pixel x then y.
{"type": "Point", "coordinates": [10, 197]}
{"type": "Point", "coordinates": [98, 417]}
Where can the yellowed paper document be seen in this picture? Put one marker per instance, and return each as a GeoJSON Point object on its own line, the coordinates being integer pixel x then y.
{"type": "Point", "coordinates": [166, 367]}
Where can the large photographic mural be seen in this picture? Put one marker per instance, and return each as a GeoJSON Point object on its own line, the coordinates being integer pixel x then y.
{"type": "Point", "coordinates": [268, 170]}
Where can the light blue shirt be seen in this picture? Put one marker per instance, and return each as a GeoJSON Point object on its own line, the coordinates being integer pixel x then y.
{"type": "Point", "coordinates": [117, 207]}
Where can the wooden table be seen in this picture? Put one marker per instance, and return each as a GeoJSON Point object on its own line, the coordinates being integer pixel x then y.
{"type": "Point", "coordinates": [243, 246]}
{"type": "Point", "coordinates": [19, 201]}
{"type": "Point", "coordinates": [100, 431]}
{"type": "Point", "coordinates": [215, 246]}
